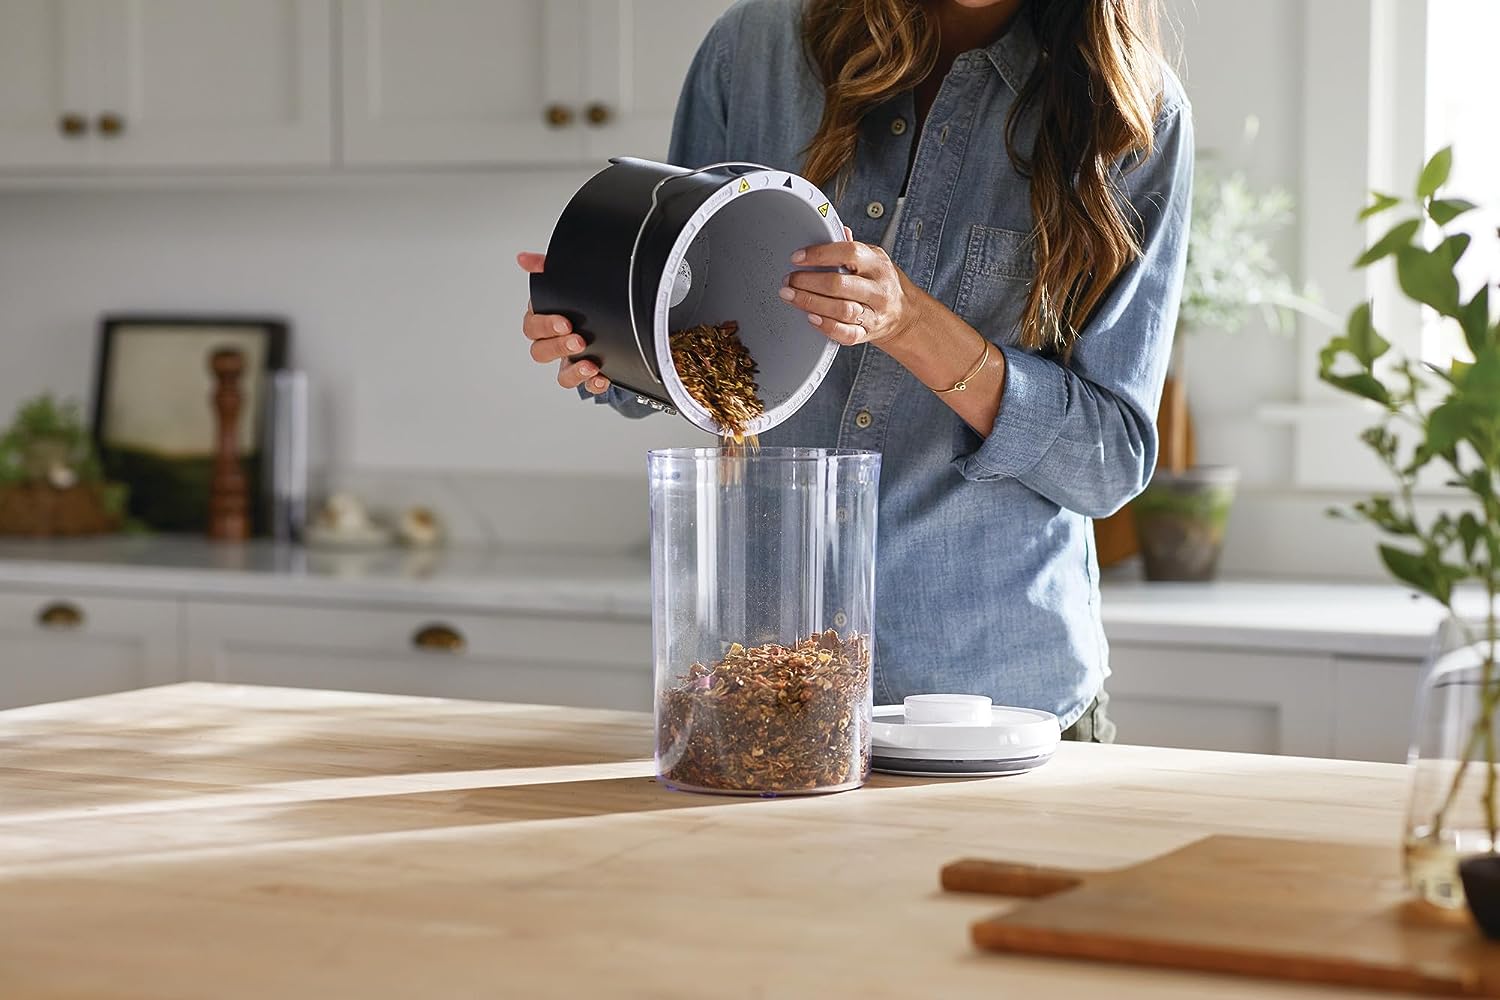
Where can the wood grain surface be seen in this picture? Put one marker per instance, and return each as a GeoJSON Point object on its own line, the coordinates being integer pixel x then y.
{"type": "Point", "coordinates": [1272, 908]}
{"type": "Point", "coordinates": [211, 841]}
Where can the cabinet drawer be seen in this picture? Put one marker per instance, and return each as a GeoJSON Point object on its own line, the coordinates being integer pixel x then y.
{"type": "Point", "coordinates": [1220, 699]}
{"type": "Point", "coordinates": [420, 651]}
{"type": "Point", "coordinates": [56, 645]}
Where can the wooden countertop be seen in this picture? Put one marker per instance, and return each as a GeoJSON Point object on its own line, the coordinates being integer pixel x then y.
{"type": "Point", "coordinates": [203, 840]}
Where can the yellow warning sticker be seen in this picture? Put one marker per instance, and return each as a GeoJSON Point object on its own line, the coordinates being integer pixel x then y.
{"type": "Point", "coordinates": [823, 210]}
{"type": "Point", "coordinates": [744, 185]}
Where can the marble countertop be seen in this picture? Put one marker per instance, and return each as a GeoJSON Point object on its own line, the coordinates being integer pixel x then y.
{"type": "Point", "coordinates": [615, 585]}
{"type": "Point", "coordinates": [1379, 620]}
{"type": "Point", "coordinates": [1353, 619]}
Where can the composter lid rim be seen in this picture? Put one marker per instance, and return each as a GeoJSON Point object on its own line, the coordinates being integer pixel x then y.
{"type": "Point", "coordinates": [766, 180]}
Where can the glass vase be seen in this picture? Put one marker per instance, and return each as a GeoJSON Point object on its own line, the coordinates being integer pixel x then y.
{"type": "Point", "coordinates": [1454, 809]}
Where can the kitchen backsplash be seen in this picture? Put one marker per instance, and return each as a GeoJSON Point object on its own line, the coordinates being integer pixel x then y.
{"type": "Point", "coordinates": [600, 512]}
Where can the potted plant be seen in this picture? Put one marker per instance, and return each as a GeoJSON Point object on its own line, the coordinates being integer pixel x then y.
{"type": "Point", "coordinates": [1440, 426]}
{"type": "Point", "coordinates": [1231, 274]}
{"type": "Point", "coordinates": [50, 481]}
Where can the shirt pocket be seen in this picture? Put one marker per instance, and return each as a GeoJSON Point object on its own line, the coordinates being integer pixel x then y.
{"type": "Point", "coordinates": [997, 274]}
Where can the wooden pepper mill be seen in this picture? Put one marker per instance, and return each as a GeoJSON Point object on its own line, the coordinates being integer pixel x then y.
{"type": "Point", "coordinates": [228, 496]}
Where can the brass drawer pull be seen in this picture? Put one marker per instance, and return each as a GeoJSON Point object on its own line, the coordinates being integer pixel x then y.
{"type": "Point", "coordinates": [599, 114]}
{"type": "Point", "coordinates": [110, 124]}
{"type": "Point", "coordinates": [558, 115]}
{"type": "Point", "coordinates": [60, 615]}
{"type": "Point", "coordinates": [72, 124]}
{"type": "Point", "coordinates": [439, 639]}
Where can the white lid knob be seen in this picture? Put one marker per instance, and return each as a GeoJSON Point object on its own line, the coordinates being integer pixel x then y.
{"type": "Point", "coordinates": [948, 709]}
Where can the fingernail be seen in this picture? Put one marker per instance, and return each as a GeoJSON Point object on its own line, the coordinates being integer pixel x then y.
{"type": "Point", "coordinates": [560, 325]}
{"type": "Point", "coordinates": [815, 320]}
{"type": "Point", "coordinates": [799, 256]}
{"type": "Point", "coordinates": [599, 384]}
{"type": "Point", "coordinates": [587, 371]}
{"type": "Point", "coordinates": [575, 344]}
{"type": "Point", "coordinates": [787, 293]}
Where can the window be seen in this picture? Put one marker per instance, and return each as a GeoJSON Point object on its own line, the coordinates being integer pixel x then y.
{"type": "Point", "coordinates": [1463, 82]}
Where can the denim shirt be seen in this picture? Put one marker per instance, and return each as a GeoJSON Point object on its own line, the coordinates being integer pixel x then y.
{"type": "Point", "coordinates": [986, 579]}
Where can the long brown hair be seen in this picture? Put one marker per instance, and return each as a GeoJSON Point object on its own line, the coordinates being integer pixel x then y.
{"type": "Point", "coordinates": [1095, 91]}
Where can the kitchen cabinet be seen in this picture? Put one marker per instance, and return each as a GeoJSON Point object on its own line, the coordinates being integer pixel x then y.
{"type": "Point", "coordinates": [44, 70]}
{"type": "Point", "coordinates": [638, 55]}
{"type": "Point", "coordinates": [526, 82]}
{"type": "Point", "coordinates": [1265, 701]}
{"type": "Point", "coordinates": [424, 651]}
{"type": "Point", "coordinates": [102, 84]}
{"type": "Point", "coordinates": [56, 645]}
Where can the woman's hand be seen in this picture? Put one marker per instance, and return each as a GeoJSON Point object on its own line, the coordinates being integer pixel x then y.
{"type": "Point", "coordinates": [552, 339]}
{"type": "Point", "coordinates": [874, 303]}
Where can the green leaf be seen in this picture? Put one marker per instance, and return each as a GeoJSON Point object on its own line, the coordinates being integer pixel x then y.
{"type": "Point", "coordinates": [1446, 426]}
{"type": "Point", "coordinates": [1445, 210]}
{"type": "Point", "coordinates": [1399, 235]}
{"type": "Point", "coordinates": [1361, 384]}
{"type": "Point", "coordinates": [1427, 276]}
{"type": "Point", "coordinates": [1417, 570]}
{"type": "Point", "coordinates": [1435, 173]}
{"type": "Point", "coordinates": [1471, 531]}
{"type": "Point", "coordinates": [1481, 386]}
{"type": "Point", "coordinates": [1363, 342]}
{"type": "Point", "coordinates": [1453, 247]}
{"type": "Point", "coordinates": [1475, 320]}
{"type": "Point", "coordinates": [1380, 203]}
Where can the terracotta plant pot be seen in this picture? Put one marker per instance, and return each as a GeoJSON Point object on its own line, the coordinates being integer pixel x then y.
{"type": "Point", "coordinates": [1180, 520]}
{"type": "Point", "coordinates": [1481, 878]}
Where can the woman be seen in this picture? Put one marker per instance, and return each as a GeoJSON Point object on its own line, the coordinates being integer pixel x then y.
{"type": "Point", "coordinates": [1017, 178]}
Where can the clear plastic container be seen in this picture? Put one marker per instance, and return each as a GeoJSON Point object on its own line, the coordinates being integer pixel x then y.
{"type": "Point", "coordinates": [763, 604]}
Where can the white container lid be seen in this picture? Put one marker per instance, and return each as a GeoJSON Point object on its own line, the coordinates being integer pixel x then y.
{"type": "Point", "coordinates": [960, 734]}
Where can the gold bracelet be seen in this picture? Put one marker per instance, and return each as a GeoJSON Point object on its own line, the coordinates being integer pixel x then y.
{"type": "Point", "coordinates": [963, 383]}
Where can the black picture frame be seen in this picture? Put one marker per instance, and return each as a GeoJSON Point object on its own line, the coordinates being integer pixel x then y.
{"type": "Point", "coordinates": [152, 419]}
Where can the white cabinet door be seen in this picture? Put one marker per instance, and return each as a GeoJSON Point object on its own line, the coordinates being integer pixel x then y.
{"type": "Point", "coordinates": [55, 646]}
{"type": "Point", "coordinates": [1220, 699]}
{"type": "Point", "coordinates": [194, 83]}
{"type": "Point", "coordinates": [461, 81]}
{"type": "Point", "coordinates": [638, 55]}
{"type": "Point", "coordinates": [44, 85]}
{"type": "Point", "coordinates": [1375, 707]}
{"type": "Point", "coordinates": [500, 657]}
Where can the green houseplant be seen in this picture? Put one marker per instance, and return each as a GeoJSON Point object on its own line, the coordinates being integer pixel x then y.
{"type": "Point", "coordinates": [1444, 423]}
{"type": "Point", "coordinates": [50, 481]}
{"type": "Point", "coordinates": [1231, 275]}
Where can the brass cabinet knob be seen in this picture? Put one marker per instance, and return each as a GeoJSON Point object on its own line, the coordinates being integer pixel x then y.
{"type": "Point", "coordinates": [60, 614]}
{"type": "Point", "coordinates": [439, 638]}
{"type": "Point", "coordinates": [599, 114]}
{"type": "Point", "coordinates": [110, 124]}
{"type": "Point", "coordinates": [559, 115]}
{"type": "Point", "coordinates": [72, 124]}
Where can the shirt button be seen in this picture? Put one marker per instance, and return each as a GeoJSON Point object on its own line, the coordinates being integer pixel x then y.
{"type": "Point", "coordinates": [874, 209]}
{"type": "Point", "coordinates": [862, 419]}
{"type": "Point", "coordinates": [840, 620]}
{"type": "Point", "coordinates": [898, 126]}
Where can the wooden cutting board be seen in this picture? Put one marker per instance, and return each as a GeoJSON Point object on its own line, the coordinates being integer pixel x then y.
{"type": "Point", "coordinates": [1278, 909]}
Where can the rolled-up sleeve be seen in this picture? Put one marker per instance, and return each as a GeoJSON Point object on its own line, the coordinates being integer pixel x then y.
{"type": "Point", "coordinates": [1083, 434]}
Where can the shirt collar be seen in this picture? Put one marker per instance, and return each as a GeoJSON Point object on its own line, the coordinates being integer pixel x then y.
{"type": "Point", "coordinates": [1014, 54]}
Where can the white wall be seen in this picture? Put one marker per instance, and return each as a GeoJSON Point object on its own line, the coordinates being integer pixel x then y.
{"type": "Point", "coordinates": [405, 301]}
{"type": "Point", "coordinates": [404, 296]}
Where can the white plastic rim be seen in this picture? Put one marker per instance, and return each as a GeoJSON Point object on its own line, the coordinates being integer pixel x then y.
{"type": "Point", "coordinates": [1010, 733]}
{"type": "Point", "coordinates": [763, 185]}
